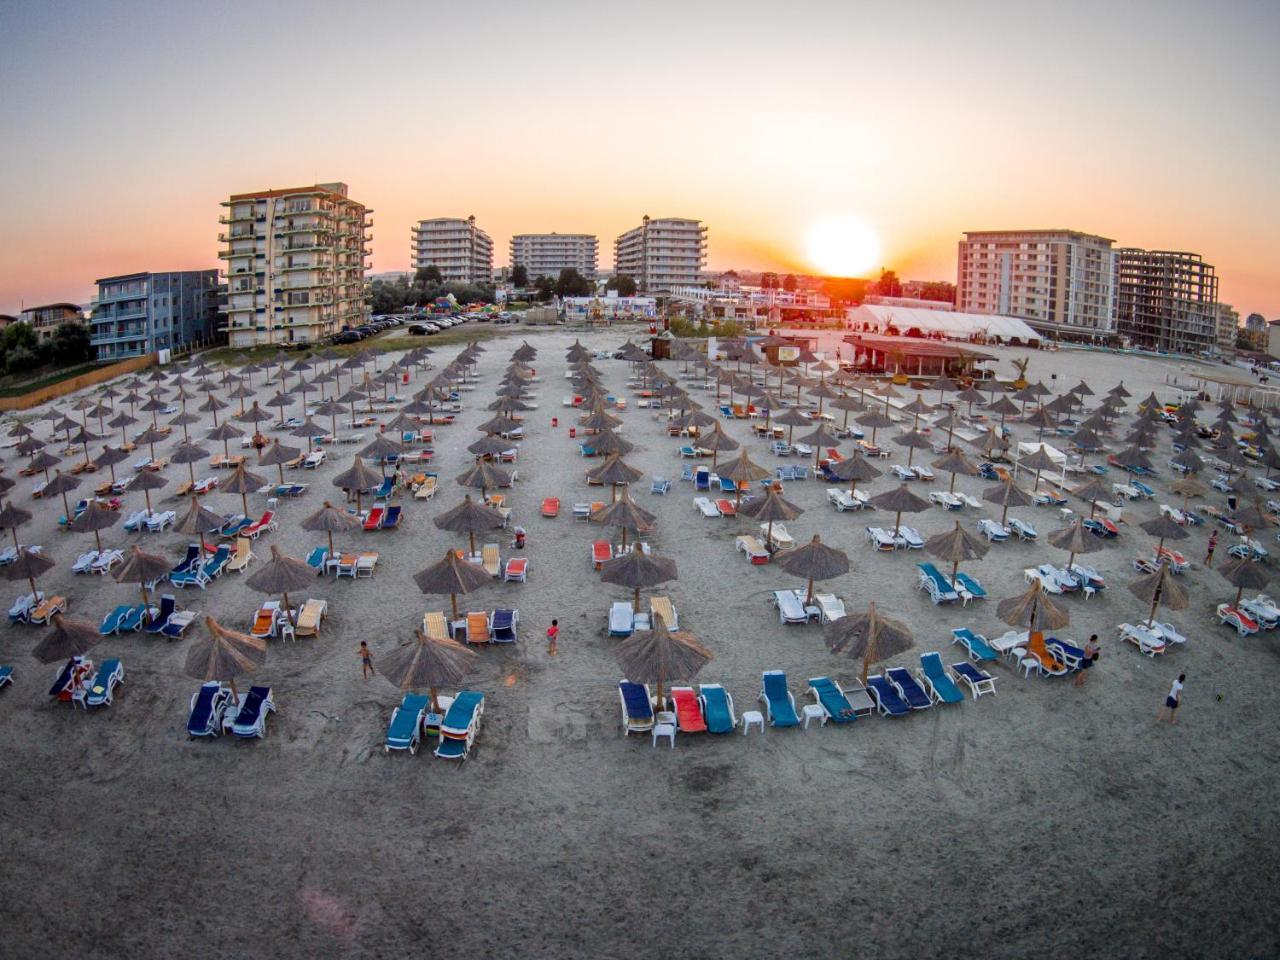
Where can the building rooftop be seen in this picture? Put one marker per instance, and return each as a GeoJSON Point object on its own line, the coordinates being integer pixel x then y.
{"type": "Point", "coordinates": [1039, 233]}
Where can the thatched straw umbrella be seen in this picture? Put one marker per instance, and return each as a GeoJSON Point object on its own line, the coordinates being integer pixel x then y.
{"type": "Point", "coordinates": [330, 519]}
{"type": "Point", "coordinates": [1037, 461]}
{"type": "Point", "coordinates": [381, 447]}
{"type": "Point", "coordinates": [626, 516]}
{"type": "Point", "coordinates": [1159, 589]}
{"type": "Point", "coordinates": [1244, 573]}
{"type": "Point", "coordinates": [356, 479]}
{"type": "Point", "coordinates": [636, 569]}
{"type": "Point", "coordinates": [198, 521]}
{"type": "Point", "coordinates": [1032, 609]}
{"type": "Point", "coordinates": [771, 508]}
{"type": "Point", "coordinates": [854, 468]}
{"type": "Point", "coordinates": [452, 575]}
{"type": "Point", "coordinates": [615, 472]}
{"type": "Point", "coordinates": [28, 566]}
{"type": "Point", "coordinates": [278, 455]}
{"type": "Point", "coordinates": [489, 446]}
{"type": "Point", "coordinates": [224, 654]}
{"type": "Point", "coordinates": [1164, 528]}
{"type": "Point", "coordinates": [190, 454]}
{"type": "Point", "coordinates": [142, 568]}
{"type": "Point", "coordinates": [743, 472]}
{"type": "Point", "coordinates": [1007, 494]}
{"type": "Point", "coordinates": [61, 483]}
{"type": "Point", "coordinates": [146, 481]}
{"type": "Point", "coordinates": [1072, 539]}
{"type": "Point", "coordinates": [244, 483]}
{"type": "Point", "coordinates": [955, 463]}
{"type": "Point", "coordinates": [470, 517]}
{"type": "Point", "coordinates": [791, 418]}
{"type": "Point", "coordinates": [427, 662]}
{"type": "Point", "coordinates": [281, 574]}
{"type": "Point", "coordinates": [659, 656]}
{"type": "Point", "coordinates": [956, 546]}
{"type": "Point", "coordinates": [868, 635]}
{"type": "Point", "coordinates": [900, 500]}
{"type": "Point", "coordinates": [68, 638]}
{"type": "Point", "coordinates": [482, 475]}
{"type": "Point", "coordinates": [95, 518]}
{"type": "Point", "coordinates": [108, 458]}
{"type": "Point", "coordinates": [816, 561]}
{"type": "Point", "coordinates": [820, 439]}
{"type": "Point", "coordinates": [1091, 491]}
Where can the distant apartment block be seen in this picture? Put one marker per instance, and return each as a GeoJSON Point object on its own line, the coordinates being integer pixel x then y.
{"type": "Point", "coordinates": [141, 313]}
{"type": "Point", "coordinates": [1061, 282]}
{"type": "Point", "coordinates": [546, 254]}
{"type": "Point", "coordinates": [46, 319]}
{"type": "Point", "coordinates": [1228, 329]}
{"type": "Point", "coordinates": [461, 251]}
{"type": "Point", "coordinates": [295, 264]}
{"type": "Point", "coordinates": [660, 255]}
{"type": "Point", "coordinates": [1166, 300]}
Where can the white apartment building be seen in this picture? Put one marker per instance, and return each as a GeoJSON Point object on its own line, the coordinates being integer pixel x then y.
{"type": "Point", "coordinates": [546, 254]}
{"type": "Point", "coordinates": [461, 251]}
{"type": "Point", "coordinates": [295, 264]}
{"type": "Point", "coordinates": [1061, 282]}
{"type": "Point", "coordinates": [660, 255]}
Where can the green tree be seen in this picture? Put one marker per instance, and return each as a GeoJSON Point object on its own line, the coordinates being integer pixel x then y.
{"type": "Point", "coordinates": [768, 281]}
{"type": "Point", "coordinates": [519, 275]}
{"type": "Point", "coordinates": [546, 287]}
{"type": "Point", "coordinates": [789, 283]}
{"type": "Point", "coordinates": [573, 284]}
{"type": "Point", "coordinates": [889, 285]}
{"type": "Point", "coordinates": [938, 290]}
{"type": "Point", "coordinates": [390, 296]}
{"type": "Point", "coordinates": [429, 274]}
{"type": "Point", "coordinates": [70, 345]}
{"type": "Point", "coordinates": [625, 286]}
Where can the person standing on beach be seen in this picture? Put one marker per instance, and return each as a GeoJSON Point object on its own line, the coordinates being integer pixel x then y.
{"type": "Point", "coordinates": [1171, 702]}
{"type": "Point", "coordinates": [1213, 542]}
{"type": "Point", "coordinates": [553, 632]}
{"type": "Point", "coordinates": [366, 660]}
{"type": "Point", "coordinates": [1090, 657]}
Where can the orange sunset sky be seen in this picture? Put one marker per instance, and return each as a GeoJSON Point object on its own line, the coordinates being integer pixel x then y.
{"type": "Point", "coordinates": [128, 123]}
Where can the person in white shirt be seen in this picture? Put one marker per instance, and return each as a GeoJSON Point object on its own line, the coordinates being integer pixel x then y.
{"type": "Point", "coordinates": [1171, 702]}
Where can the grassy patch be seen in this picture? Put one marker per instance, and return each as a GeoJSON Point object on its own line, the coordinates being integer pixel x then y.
{"type": "Point", "coordinates": [388, 340]}
{"type": "Point", "coordinates": [16, 386]}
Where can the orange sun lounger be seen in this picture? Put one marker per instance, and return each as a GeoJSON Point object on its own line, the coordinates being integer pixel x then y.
{"type": "Point", "coordinates": [551, 507]}
{"type": "Point", "coordinates": [601, 551]}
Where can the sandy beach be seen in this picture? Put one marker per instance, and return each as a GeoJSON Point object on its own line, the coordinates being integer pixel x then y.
{"type": "Point", "coordinates": [1044, 821]}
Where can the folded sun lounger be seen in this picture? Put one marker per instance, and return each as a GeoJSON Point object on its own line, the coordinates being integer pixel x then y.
{"type": "Point", "coordinates": [404, 732]}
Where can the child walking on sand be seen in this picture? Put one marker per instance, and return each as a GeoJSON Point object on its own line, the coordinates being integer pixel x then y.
{"type": "Point", "coordinates": [1171, 702]}
{"type": "Point", "coordinates": [366, 660]}
{"type": "Point", "coordinates": [553, 632]}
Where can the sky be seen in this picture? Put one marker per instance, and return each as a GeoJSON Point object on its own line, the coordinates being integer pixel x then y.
{"type": "Point", "coordinates": [126, 124]}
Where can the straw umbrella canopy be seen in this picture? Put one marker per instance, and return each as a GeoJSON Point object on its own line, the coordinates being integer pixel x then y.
{"type": "Point", "coordinates": [1159, 589]}
{"type": "Point", "coordinates": [717, 441]}
{"type": "Point", "coordinates": [1037, 461]}
{"type": "Point", "coordinates": [1007, 494]}
{"type": "Point", "coordinates": [625, 515]}
{"type": "Point", "coordinates": [913, 440]}
{"type": "Point", "coordinates": [224, 654]}
{"type": "Point", "coordinates": [954, 463]}
{"type": "Point", "coordinates": [868, 635]}
{"type": "Point", "coordinates": [636, 570]}
{"type": "Point", "coordinates": [876, 420]}
{"type": "Point", "coordinates": [142, 568]}
{"type": "Point", "coordinates": [659, 656]}
{"type": "Point", "coordinates": [95, 518]}
{"type": "Point", "coordinates": [452, 575]}
{"type": "Point", "coordinates": [770, 508]}
{"type": "Point", "coordinates": [278, 455]}
{"type": "Point", "coordinates": [1134, 457]}
{"type": "Point", "coordinates": [470, 517]}
{"type": "Point", "coordinates": [483, 475]}
{"type": "Point", "coordinates": [330, 519]}
{"type": "Point", "coordinates": [900, 500]}
{"type": "Point", "coordinates": [309, 430]}
{"type": "Point", "coordinates": [614, 472]}
{"type": "Point", "coordinates": [109, 457]}
{"type": "Point", "coordinates": [61, 483]}
{"type": "Point", "coordinates": [1091, 491]}
{"type": "Point", "coordinates": [489, 446]}
{"type": "Point", "coordinates": [198, 521]}
{"type": "Point", "coordinates": [225, 432]}
{"type": "Point", "coordinates": [357, 478]}
{"type": "Point", "coordinates": [28, 566]}
{"type": "Point", "coordinates": [816, 561]}
{"type": "Point", "coordinates": [1188, 487]}
{"type": "Point", "coordinates": [1072, 539]}
{"type": "Point", "coordinates": [68, 638]}
{"type": "Point", "coordinates": [792, 418]}
{"type": "Point", "coordinates": [281, 574]}
{"type": "Point", "coordinates": [956, 546]}
{"type": "Point", "coordinates": [1164, 528]}
{"type": "Point", "coordinates": [429, 662]}
{"type": "Point", "coordinates": [1252, 515]}
{"type": "Point", "coordinates": [743, 472]}
{"type": "Point", "coordinates": [243, 482]}
{"type": "Point", "coordinates": [381, 447]}
{"type": "Point", "coordinates": [1032, 609]}
{"type": "Point", "coordinates": [854, 468]}
{"type": "Point", "coordinates": [190, 454]}
{"type": "Point", "coordinates": [1244, 573]}
{"type": "Point", "coordinates": [606, 442]}
{"type": "Point", "coordinates": [599, 419]}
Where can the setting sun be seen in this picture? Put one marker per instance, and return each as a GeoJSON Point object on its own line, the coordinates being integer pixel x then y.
{"type": "Point", "coordinates": [843, 246]}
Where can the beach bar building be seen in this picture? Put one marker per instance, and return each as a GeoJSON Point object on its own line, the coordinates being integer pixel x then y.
{"type": "Point", "coordinates": [915, 356]}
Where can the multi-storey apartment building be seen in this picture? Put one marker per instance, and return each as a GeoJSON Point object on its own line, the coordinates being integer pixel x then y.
{"type": "Point", "coordinates": [461, 251]}
{"type": "Point", "coordinates": [1061, 282]}
{"type": "Point", "coordinates": [140, 313]}
{"type": "Point", "coordinates": [46, 319]}
{"type": "Point", "coordinates": [1166, 300]}
{"type": "Point", "coordinates": [295, 264]}
{"type": "Point", "coordinates": [660, 255]}
{"type": "Point", "coordinates": [546, 254]}
{"type": "Point", "coordinates": [1228, 329]}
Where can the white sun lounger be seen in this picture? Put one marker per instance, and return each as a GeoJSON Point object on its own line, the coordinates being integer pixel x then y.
{"type": "Point", "coordinates": [790, 607]}
{"type": "Point", "coordinates": [706, 507]}
{"type": "Point", "coordinates": [842, 499]}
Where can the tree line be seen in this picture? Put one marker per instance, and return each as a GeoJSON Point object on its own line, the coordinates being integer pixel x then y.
{"type": "Point", "coordinates": [23, 352]}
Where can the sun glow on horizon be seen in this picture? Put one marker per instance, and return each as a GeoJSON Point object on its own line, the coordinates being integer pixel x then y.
{"type": "Point", "coordinates": [843, 246]}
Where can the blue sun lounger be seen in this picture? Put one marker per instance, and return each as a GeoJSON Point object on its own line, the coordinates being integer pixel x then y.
{"type": "Point", "coordinates": [779, 702]}
{"type": "Point", "coordinates": [192, 557]}
{"type": "Point", "coordinates": [405, 729]}
{"type": "Point", "coordinates": [110, 674]}
{"type": "Point", "coordinates": [885, 694]}
{"type": "Point", "coordinates": [6, 675]}
{"type": "Point", "coordinates": [978, 680]}
{"type": "Point", "coordinates": [717, 708]}
{"type": "Point", "coordinates": [384, 490]}
{"type": "Point", "coordinates": [832, 699]}
{"type": "Point", "coordinates": [132, 621]}
{"type": "Point", "coordinates": [975, 643]}
{"type": "Point", "coordinates": [970, 586]}
{"type": "Point", "coordinates": [909, 688]}
{"type": "Point", "coordinates": [251, 719]}
{"type": "Point", "coordinates": [637, 708]}
{"type": "Point", "coordinates": [460, 725]}
{"type": "Point", "coordinates": [316, 558]}
{"type": "Point", "coordinates": [502, 629]}
{"type": "Point", "coordinates": [111, 622]}
{"type": "Point", "coordinates": [207, 706]}
{"type": "Point", "coordinates": [941, 687]}
{"type": "Point", "coordinates": [168, 604]}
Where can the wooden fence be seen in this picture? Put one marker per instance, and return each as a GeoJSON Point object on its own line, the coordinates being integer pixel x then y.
{"type": "Point", "coordinates": [63, 387]}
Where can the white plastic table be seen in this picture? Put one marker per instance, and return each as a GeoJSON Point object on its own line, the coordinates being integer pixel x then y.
{"type": "Point", "coordinates": [814, 711]}
{"type": "Point", "coordinates": [752, 718]}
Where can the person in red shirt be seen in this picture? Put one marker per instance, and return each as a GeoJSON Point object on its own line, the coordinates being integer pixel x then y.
{"type": "Point", "coordinates": [553, 632]}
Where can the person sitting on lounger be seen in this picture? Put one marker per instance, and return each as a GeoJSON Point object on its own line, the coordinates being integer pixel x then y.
{"type": "Point", "coordinates": [518, 543]}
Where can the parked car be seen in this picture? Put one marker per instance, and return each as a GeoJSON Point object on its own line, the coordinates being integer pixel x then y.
{"type": "Point", "coordinates": [346, 336]}
{"type": "Point", "coordinates": [418, 330]}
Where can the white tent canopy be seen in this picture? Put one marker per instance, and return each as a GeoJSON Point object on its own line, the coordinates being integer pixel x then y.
{"type": "Point", "coordinates": [959, 326]}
